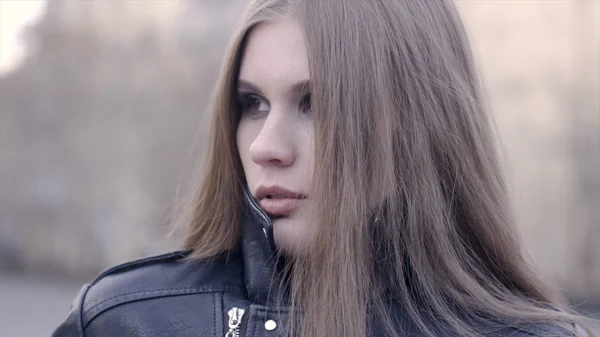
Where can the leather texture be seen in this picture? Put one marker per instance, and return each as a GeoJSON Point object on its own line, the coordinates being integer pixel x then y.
{"type": "Point", "coordinates": [171, 295]}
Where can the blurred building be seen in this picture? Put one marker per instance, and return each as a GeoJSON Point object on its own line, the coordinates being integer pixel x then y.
{"type": "Point", "coordinates": [96, 128]}
{"type": "Point", "coordinates": [541, 63]}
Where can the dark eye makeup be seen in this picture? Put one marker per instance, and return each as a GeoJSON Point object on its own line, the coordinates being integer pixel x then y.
{"type": "Point", "coordinates": [305, 103]}
{"type": "Point", "coordinates": [256, 106]}
{"type": "Point", "coordinates": [252, 104]}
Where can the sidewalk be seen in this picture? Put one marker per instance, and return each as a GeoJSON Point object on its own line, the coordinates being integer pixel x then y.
{"type": "Point", "coordinates": [33, 307]}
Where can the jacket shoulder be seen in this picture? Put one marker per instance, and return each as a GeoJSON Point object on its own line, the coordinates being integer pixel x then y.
{"type": "Point", "coordinates": [170, 274]}
{"type": "Point", "coordinates": [165, 275]}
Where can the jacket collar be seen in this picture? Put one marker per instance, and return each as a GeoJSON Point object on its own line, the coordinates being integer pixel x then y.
{"type": "Point", "coordinates": [261, 274]}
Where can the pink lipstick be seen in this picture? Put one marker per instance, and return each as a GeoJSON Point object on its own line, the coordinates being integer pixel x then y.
{"type": "Point", "coordinates": [278, 201]}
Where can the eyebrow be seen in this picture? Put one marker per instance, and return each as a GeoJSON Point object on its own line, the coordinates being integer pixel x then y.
{"type": "Point", "coordinates": [302, 86]}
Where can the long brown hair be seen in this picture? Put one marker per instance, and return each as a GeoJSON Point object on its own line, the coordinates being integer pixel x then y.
{"type": "Point", "coordinates": [410, 202]}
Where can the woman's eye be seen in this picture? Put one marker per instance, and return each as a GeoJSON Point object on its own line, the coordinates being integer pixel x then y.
{"type": "Point", "coordinates": [252, 104]}
{"type": "Point", "coordinates": [305, 103]}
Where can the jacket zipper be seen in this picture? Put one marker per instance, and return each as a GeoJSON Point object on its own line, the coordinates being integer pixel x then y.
{"type": "Point", "coordinates": [265, 218]}
{"type": "Point", "coordinates": [260, 212]}
{"type": "Point", "coordinates": [235, 320]}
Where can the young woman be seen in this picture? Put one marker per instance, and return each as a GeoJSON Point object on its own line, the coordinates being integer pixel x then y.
{"type": "Point", "coordinates": [351, 188]}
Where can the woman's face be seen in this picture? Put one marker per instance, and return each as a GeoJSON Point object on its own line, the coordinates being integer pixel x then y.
{"type": "Point", "coordinates": [275, 132]}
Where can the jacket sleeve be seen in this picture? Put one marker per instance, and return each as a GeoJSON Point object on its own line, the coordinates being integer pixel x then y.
{"type": "Point", "coordinates": [72, 326]}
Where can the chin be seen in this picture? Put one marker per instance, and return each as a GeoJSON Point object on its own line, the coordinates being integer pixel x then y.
{"type": "Point", "coordinates": [289, 236]}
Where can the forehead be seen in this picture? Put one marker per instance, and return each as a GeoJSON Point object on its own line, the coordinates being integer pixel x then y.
{"type": "Point", "coordinates": [275, 54]}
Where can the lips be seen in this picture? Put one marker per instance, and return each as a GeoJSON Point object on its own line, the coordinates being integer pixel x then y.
{"type": "Point", "coordinates": [278, 201]}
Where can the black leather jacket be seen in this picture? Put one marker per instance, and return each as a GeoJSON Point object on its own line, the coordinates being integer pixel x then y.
{"type": "Point", "coordinates": [229, 296]}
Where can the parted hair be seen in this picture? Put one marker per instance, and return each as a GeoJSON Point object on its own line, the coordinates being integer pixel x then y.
{"type": "Point", "coordinates": [410, 203]}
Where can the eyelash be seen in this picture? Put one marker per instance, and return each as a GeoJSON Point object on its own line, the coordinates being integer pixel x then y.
{"type": "Point", "coordinates": [245, 101]}
{"type": "Point", "coordinates": [305, 104]}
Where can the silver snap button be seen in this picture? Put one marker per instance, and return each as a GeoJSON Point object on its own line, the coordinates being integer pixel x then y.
{"type": "Point", "coordinates": [270, 325]}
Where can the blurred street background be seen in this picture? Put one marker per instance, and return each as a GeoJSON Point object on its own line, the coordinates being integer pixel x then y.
{"type": "Point", "coordinates": [101, 102]}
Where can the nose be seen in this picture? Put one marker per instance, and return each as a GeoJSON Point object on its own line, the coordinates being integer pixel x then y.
{"type": "Point", "coordinates": [274, 145]}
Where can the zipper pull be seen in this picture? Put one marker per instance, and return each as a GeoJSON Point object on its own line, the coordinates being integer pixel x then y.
{"type": "Point", "coordinates": [235, 319]}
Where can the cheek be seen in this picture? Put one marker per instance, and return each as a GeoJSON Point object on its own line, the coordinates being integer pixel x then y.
{"type": "Point", "coordinates": [244, 139]}
{"type": "Point", "coordinates": [308, 149]}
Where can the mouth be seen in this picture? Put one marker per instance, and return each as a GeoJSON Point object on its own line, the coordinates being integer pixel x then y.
{"type": "Point", "coordinates": [277, 201]}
